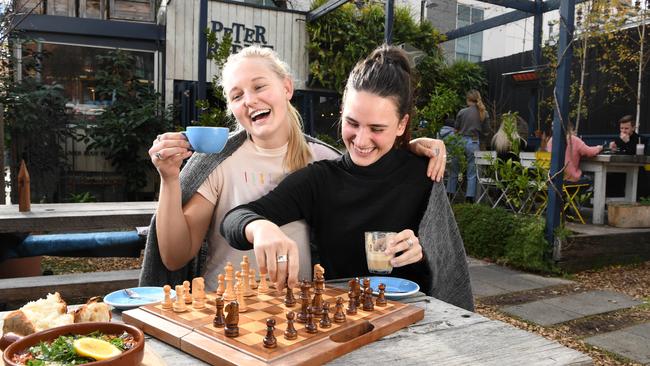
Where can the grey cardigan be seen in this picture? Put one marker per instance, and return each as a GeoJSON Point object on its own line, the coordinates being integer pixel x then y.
{"type": "Point", "coordinates": [438, 235]}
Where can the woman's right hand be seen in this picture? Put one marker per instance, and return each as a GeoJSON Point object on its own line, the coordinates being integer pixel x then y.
{"type": "Point", "coordinates": [168, 152]}
{"type": "Point", "coordinates": [275, 252]}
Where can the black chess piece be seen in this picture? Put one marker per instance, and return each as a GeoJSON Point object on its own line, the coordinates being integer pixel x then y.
{"type": "Point", "coordinates": [325, 321]}
{"type": "Point", "coordinates": [367, 302]}
{"type": "Point", "coordinates": [219, 320]}
{"type": "Point", "coordinates": [232, 320]}
{"type": "Point", "coordinates": [304, 302]}
{"type": "Point", "coordinates": [339, 315]}
{"type": "Point", "coordinates": [269, 339]}
{"type": "Point", "coordinates": [381, 297]}
{"type": "Point", "coordinates": [311, 326]}
{"type": "Point", "coordinates": [289, 299]}
{"type": "Point", "coordinates": [290, 333]}
{"type": "Point", "coordinates": [352, 304]}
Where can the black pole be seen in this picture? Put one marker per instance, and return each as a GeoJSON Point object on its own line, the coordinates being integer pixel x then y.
{"type": "Point", "coordinates": [560, 117]}
{"type": "Point", "coordinates": [537, 60]}
{"type": "Point", "coordinates": [203, 48]}
{"type": "Point", "coordinates": [388, 26]}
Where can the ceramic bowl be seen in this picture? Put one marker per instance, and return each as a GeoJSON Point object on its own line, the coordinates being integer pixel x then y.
{"type": "Point", "coordinates": [128, 358]}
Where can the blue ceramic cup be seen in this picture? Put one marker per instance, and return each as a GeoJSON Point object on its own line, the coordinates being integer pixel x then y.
{"type": "Point", "coordinates": [208, 140]}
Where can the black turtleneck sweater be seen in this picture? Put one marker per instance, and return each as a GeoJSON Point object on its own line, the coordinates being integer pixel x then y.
{"type": "Point", "coordinates": [340, 201]}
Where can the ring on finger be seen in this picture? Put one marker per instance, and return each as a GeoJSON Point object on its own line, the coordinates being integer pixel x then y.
{"type": "Point", "coordinates": [409, 242]}
{"type": "Point", "coordinates": [282, 258]}
{"type": "Point", "coordinates": [436, 151]}
{"type": "Point", "coordinates": [158, 138]}
{"type": "Point", "coordinates": [158, 156]}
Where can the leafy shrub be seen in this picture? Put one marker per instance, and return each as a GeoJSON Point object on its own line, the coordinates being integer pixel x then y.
{"type": "Point", "coordinates": [516, 240]}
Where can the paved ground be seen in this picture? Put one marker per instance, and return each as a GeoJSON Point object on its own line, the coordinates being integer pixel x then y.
{"type": "Point", "coordinates": [491, 280]}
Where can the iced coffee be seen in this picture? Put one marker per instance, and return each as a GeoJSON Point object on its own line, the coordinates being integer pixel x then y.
{"type": "Point", "coordinates": [376, 244]}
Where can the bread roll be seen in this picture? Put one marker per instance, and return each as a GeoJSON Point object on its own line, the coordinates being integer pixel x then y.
{"type": "Point", "coordinates": [38, 315]}
{"type": "Point", "coordinates": [93, 311]}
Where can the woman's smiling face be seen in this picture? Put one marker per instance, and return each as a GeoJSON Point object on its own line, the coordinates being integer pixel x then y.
{"type": "Point", "coordinates": [259, 100]}
{"type": "Point", "coordinates": [369, 126]}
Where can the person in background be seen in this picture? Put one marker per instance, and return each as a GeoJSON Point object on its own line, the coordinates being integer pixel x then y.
{"type": "Point", "coordinates": [184, 239]}
{"type": "Point", "coordinates": [376, 185]}
{"type": "Point", "coordinates": [503, 144]}
{"type": "Point", "coordinates": [472, 123]}
{"type": "Point", "coordinates": [575, 149]}
{"type": "Point", "coordinates": [627, 140]}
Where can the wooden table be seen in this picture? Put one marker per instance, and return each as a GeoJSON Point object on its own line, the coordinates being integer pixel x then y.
{"type": "Point", "coordinates": [600, 165]}
{"type": "Point", "coordinates": [447, 335]}
{"type": "Point", "coordinates": [71, 217]}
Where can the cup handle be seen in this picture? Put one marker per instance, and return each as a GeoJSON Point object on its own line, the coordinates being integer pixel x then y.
{"type": "Point", "coordinates": [188, 140]}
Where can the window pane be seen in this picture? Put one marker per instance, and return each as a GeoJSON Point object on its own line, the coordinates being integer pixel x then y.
{"type": "Point", "coordinates": [476, 44]}
{"type": "Point", "coordinates": [462, 45]}
{"type": "Point", "coordinates": [475, 58]}
{"type": "Point", "coordinates": [462, 56]}
{"type": "Point", "coordinates": [463, 13]}
{"type": "Point", "coordinates": [477, 15]}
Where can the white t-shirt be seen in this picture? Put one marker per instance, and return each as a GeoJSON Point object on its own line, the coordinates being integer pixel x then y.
{"type": "Point", "coordinates": [248, 174]}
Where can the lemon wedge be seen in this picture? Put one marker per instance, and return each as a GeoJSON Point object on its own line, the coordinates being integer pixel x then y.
{"type": "Point", "coordinates": [95, 348]}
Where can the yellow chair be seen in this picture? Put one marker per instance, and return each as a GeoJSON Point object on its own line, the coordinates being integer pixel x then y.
{"type": "Point", "coordinates": [570, 189]}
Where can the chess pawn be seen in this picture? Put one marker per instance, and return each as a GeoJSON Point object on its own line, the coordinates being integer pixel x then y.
{"type": "Point", "coordinates": [339, 315]}
{"type": "Point", "coordinates": [179, 305]}
{"type": "Point", "coordinates": [290, 333]}
{"type": "Point", "coordinates": [252, 282]}
{"type": "Point", "coordinates": [240, 294]}
{"type": "Point", "coordinates": [325, 321]}
{"type": "Point", "coordinates": [352, 304]}
{"type": "Point", "coordinates": [263, 288]}
{"type": "Point", "coordinates": [219, 320]}
{"type": "Point", "coordinates": [221, 288]}
{"type": "Point", "coordinates": [367, 300]}
{"type": "Point", "coordinates": [381, 297]}
{"type": "Point", "coordinates": [232, 320]}
{"type": "Point", "coordinates": [311, 326]}
{"type": "Point", "coordinates": [245, 272]}
{"type": "Point", "coordinates": [269, 340]}
{"type": "Point", "coordinates": [229, 292]}
{"type": "Point", "coordinates": [289, 299]}
{"type": "Point", "coordinates": [167, 302]}
{"type": "Point", "coordinates": [187, 296]}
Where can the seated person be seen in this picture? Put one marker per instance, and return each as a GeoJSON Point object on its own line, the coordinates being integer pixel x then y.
{"type": "Point", "coordinates": [575, 149]}
{"type": "Point", "coordinates": [625, 143]}
{"type": "Point", "coordinates": [502, 143]}
{"type": "Point", "coordinates": [376, 185]}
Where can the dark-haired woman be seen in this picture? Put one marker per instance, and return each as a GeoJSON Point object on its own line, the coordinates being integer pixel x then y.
{"type": "Point", "coordinates": [377, 185]}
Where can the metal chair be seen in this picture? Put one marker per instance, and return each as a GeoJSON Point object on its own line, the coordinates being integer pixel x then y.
{"type": "Point", "coordinates": [487, 178]}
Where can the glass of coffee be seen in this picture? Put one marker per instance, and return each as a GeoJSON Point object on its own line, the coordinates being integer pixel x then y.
{"type": "Point", "coordinates": [376, 244]}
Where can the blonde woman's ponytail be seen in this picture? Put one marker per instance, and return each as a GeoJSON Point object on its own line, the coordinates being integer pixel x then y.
{"type": "Point", "coordinates": [475, 97]}
{"type": "Point", "coordinates": [298, 152]}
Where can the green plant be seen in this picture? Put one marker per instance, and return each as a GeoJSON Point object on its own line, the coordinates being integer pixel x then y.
{"type": "Point", "coordinates": [516, 240]}
{"type": "Point", "coordinates": [82, 197]}
{"type": "Point", "coordinates": [455, 145]}
{"type": "Point", "coordinates": [331, 141]}
{"type": "Point", "coordinates": [216, 114]}
{"type": "Point", "coordinates": [135, 116]}
{"type": "Point", "coordinates": [443, 103]}
{"type": "Point", "coordinates": [645, 201]}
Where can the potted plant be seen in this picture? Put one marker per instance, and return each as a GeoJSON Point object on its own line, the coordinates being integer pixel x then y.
{"type": "Point", "coordinates": [629, 214]}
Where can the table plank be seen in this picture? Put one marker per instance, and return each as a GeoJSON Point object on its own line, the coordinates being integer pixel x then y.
{"type": "Point", "coordinates": [71, 217]}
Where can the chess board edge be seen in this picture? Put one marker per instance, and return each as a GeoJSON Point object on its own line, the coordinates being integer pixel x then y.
{"type": "Point", "coordinates": [339, 342]}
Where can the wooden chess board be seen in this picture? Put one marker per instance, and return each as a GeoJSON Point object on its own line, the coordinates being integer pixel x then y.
{"type": "Point", "coordinates": [193, 332]}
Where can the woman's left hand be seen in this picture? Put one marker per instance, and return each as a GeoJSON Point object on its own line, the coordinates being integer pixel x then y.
{"type": "Point", "coordinates": [436, 151]}
{"type": "Point", "coordinates": [406, 242]}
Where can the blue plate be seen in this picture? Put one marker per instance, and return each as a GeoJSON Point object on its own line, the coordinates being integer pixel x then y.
{"type": "Point", "coordinates": [395, 287]}
{"type": "Point", "coordinates": [149, 295]}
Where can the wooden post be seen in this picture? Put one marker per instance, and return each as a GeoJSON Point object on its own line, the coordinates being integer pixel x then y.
{"type": "Point", "coordinates": [2, 155]}
{"type": "Point", "coordinates": [23, 188]}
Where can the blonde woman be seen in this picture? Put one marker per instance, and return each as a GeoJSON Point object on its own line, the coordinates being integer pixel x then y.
{"type": "Point", "coordinates": [472, 123]}
{"type": "Point", "coordinates": [503, 144]}
{"type": "Point", "coordinates": [184, 239]}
